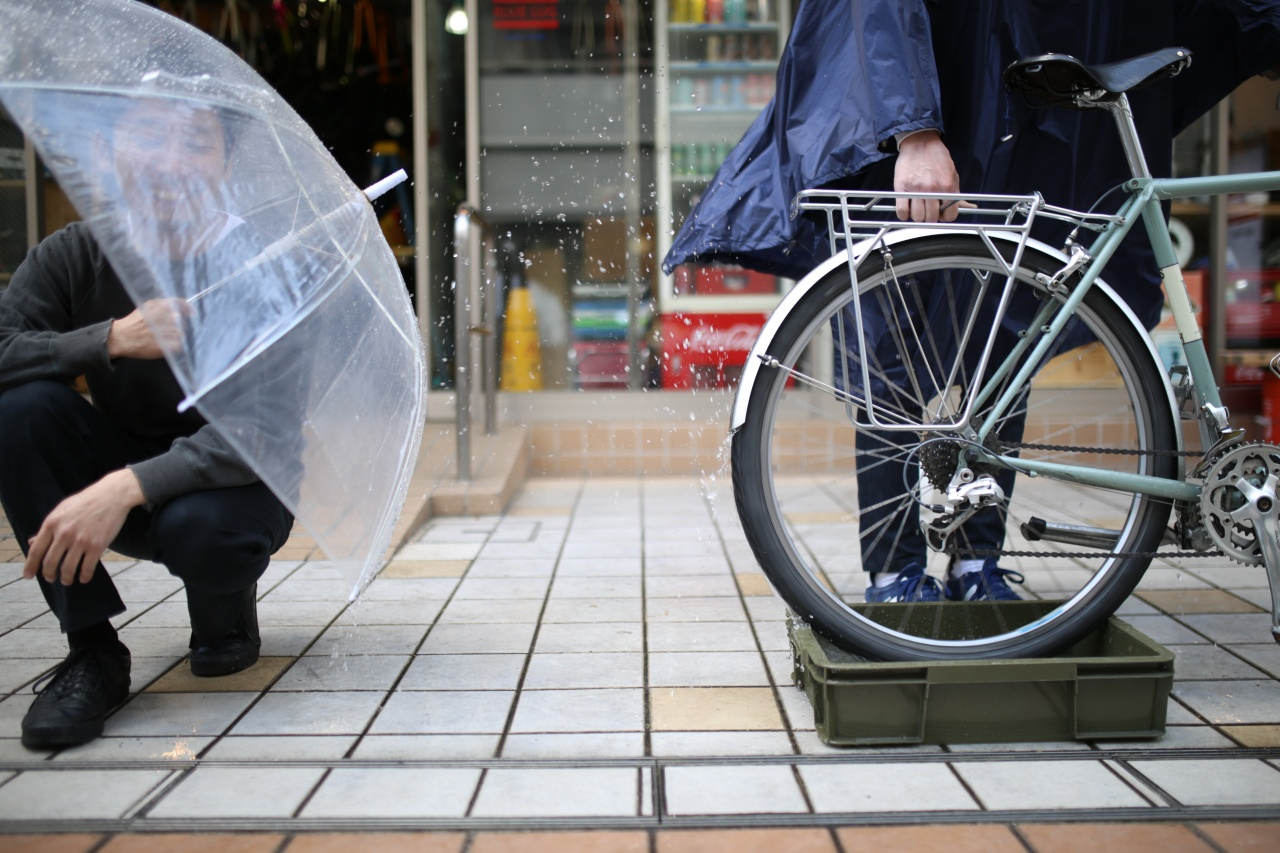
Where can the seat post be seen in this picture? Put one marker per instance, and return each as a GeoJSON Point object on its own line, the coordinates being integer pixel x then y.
{"type": "Point", "coordinates": [1119, 108]}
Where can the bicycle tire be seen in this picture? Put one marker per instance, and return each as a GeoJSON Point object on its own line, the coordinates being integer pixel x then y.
{"type": "Point", "coordinates": [807, 558]}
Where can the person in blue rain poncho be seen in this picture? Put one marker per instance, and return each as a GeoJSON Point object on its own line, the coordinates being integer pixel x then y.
{"type": "Point", "coordinates": [907, 94]}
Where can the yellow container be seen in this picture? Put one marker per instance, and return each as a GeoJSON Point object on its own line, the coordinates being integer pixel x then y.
{"type": "Point", "coordinates": [521, 352]}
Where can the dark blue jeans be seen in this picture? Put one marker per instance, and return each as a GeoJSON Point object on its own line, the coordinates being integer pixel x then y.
{"type": "Point", "coordinates": [53, 443]}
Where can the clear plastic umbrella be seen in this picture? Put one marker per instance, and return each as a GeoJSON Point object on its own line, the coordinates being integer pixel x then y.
{"type": "Point", "coordinates": [206, 190]}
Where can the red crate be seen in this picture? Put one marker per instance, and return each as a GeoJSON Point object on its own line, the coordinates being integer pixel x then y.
{"type": "Point", "coordinates": [722, 280]}
{"type": "Point", "coordinates": [600, 364]}
{"type": "Point", "coordinates": [706, 350]}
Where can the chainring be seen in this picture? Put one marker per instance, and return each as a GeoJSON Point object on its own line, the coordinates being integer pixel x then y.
{"type": "Point", "coordinates": [1258, 463]}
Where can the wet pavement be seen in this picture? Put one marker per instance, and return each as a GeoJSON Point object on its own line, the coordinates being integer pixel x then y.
{"type": "Point", "coordinates": [602, 666]}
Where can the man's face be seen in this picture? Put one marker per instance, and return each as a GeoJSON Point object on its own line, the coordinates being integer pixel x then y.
{"type": "Point", "coordinates": [171, 162]}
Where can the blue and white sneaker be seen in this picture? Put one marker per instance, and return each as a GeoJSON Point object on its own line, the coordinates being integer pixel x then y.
{"type": "Point", "coordinates": [912, 585]}
{"type": "Point", "coordinates": [987, 584]}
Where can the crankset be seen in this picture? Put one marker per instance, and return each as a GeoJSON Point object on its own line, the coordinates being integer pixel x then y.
{"type": "Point", "coordinates": [1241, 510]}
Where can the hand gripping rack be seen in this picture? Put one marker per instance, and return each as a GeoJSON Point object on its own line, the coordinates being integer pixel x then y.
{"type": "Point", "coordinates": [862, 222]}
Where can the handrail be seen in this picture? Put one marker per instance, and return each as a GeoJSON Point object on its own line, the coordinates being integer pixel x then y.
{"type": "Point", "coordinates": [472, 288]}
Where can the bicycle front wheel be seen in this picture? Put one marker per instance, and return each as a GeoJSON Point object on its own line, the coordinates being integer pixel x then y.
{"type": "Point", "coordinates": [852, 442]}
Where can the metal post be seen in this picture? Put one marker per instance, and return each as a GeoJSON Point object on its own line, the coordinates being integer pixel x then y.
{"type": "Point", "coordinates": [421, 179]}
{"type": "Point", "coordinates": [462, 337]}
{"type": "Point", "coordinates": [489, 349]}
{"type": "Point", "coordinates": [631, 129]}
{"type": "Point", "coordinates": [1215, 339]}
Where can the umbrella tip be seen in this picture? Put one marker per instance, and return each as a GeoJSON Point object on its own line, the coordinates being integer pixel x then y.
{"type": "Point", "coordinates": [396, 178]}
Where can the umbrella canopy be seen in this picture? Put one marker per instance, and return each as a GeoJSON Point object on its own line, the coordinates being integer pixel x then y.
{"type": "Point", "coordinates": [205, 189]}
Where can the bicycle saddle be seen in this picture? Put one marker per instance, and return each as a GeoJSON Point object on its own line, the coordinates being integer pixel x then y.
{"type": "Point", "coordinates": [1057, 79]}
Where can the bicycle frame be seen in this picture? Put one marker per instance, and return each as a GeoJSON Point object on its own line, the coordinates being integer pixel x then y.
{"type": "Point", "coordinates": [1143, 202]}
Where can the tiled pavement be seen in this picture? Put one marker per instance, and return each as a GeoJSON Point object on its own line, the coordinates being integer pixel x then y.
{"type": "Point", "coordinates": [603, 660]}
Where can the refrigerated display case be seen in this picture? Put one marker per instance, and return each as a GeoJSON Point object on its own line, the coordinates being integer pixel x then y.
{"type": "Point", "coordinates": [716, 64]}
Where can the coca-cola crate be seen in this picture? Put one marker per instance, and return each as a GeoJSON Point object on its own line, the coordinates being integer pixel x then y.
{"type": "Point", "coordinates": [706, 350]}
{"type": "Point", "coordinates": [722, 280]}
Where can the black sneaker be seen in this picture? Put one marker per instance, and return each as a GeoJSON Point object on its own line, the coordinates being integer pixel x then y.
{"type": "Point", "coordinates": [224, 633]}
{"type": "Point", "coordinates": [76, 697]}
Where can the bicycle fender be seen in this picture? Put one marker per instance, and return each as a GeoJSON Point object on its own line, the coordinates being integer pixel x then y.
{"type": "Point", "coordinates": [751, 370]}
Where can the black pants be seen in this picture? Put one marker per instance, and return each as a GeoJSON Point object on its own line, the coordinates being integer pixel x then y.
{"type": "Point", "coordinates": [53, 443]}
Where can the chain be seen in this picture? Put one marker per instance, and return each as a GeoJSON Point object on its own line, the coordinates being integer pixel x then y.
{"type": "Point", "coordinates": [1071, 448]}
{"type": "Point", "coordinates": [1086, 555]}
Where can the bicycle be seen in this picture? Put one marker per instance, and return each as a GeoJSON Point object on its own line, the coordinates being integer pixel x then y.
{"type": "Point", "coordinates": [952, 382]}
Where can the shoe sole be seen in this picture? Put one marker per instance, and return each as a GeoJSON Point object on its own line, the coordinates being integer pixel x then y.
{"type": "Point", "coordinates": [212, 668]}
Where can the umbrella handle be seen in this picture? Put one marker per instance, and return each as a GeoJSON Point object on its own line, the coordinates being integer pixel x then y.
{"type": "Point", "coordinates": [389, 182]}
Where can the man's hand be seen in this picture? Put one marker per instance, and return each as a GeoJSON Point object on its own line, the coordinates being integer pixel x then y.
{"type": "Point", "coordinates": [68, 545]}
{"type": "Point", "coordinates": [149, 331]}
{"type": "Point", "coordinates": [925, 165]}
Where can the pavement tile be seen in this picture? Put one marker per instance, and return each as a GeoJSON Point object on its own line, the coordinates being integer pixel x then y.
{"type": "Point", "coordinates": [1255, 736]}
{"type": "Point", "coordinates": [1264, 656]}
{"type": "Point", "coordinates": [660, 608]}
{"type": "Point", "coordinates": [178, 749]}
{"type": "Point", "coordinates": [227, 792]}
{"type": "Point", "coordinates": [736, 789]}
{"type": "Point", "coordinates": [401, 568]}
{"type": "Point", "coordinates": [180, 680]}
{"type": "Point", "coordinates": [214, 842]}
{"type": "Point", "coordinates": [574, 637]}
{"type": "Point", "coordinates": [951, 838]}
{"type": "Point", "coordinates": [342, 672]}
{"type": "Point", "coordinates": [884, 788]}
{"type": "Point", "coordinates": [509, 567]}
{"type": "Point", "coordinates": [561, 670]}
{"type": "Point", "coordinates": [703, 636]}
{"type": "Point", "coordinates": [383, 842]}
{"type": "Point", "coordinates": [1252, 837]}
{"type": "Point", "coordinates": [312, 713]}
{"type": "Point", "coordinates": [1129, 837]}
{"type": "Point", "coordinates": [1046, 784]}
{"type": "Point", "coordinates": [573, 745]}
{"type": "Point", "coordinates": [1228, 628]}
{"type": "Point", "coordinates": [439, 551]}
{"type": "Point", "coordinates": [503, 588]}
{"type": "Point", "coordinates": [478, 610]}
{"type": "Point", "coordinates": [456, 638]}
{"type": "Point", "coordinates": [714, 743]}
{"type": "Point", "coordinates": [1202, 661]}
{"type": "Point", "coordinates": [393, 792]}
{"type": "Point", "coordinates": [1178, 602]}
{"type": "Point", "coordinates": [68, 843]}
{"type": "Point", "coordinates": [368, 640]}
{"type": "Point", "coordinates": [1165, 630]}
{"type": "Point", "coordinates": [444, 712]}
{"type": "Point", "coordinates": [421, 747]}
{"type": "Point", "coordinates": [75, 794]}
{"type": "Point", "coordinates": [1215, 782]}
{"type": "Point", "coordinates": [558, 792]}
{"type": "Point", "coordinates": [707, 669]}
{"type": "Point", "coordinates": [596, 841]}
{"type": "Point", "coordinates": [753, 583]}
{"type": "Point", "coordinates": [368, 612]}
{"type": "Point", "coordinates": [569, 586]}
{"type": "Point", "coordinates": [702, 564]}
{"type": "Point", "coordinates": [713, 709]}
{"type": "Point", "coordinates": [463, 672]}
{"type": "Point", "coordinates": [568, 567]}
{"type": "Point", "coordinates": [1231, 702]}
{"type": "Point", "coordinates": [804, 840]}
{"type": "Point", "coordinates": [177, 714]}
{"type": "Point", "coordinates": [280, 747]}
{"type": "Point", "coordinates": [586, 710]}
{"type": "Point", "coordinates": [605, 610]}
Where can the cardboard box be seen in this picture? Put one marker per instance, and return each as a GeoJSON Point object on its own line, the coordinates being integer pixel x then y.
{"type": "Point", "coordinates": [604, 249]}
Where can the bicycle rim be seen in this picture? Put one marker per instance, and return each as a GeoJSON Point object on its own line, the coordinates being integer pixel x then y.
{"type": "Point", "coordinates": [815, 529]}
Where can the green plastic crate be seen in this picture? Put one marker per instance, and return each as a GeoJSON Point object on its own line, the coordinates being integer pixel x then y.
{"type": "Point", "coordinates": [1114, 683]}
